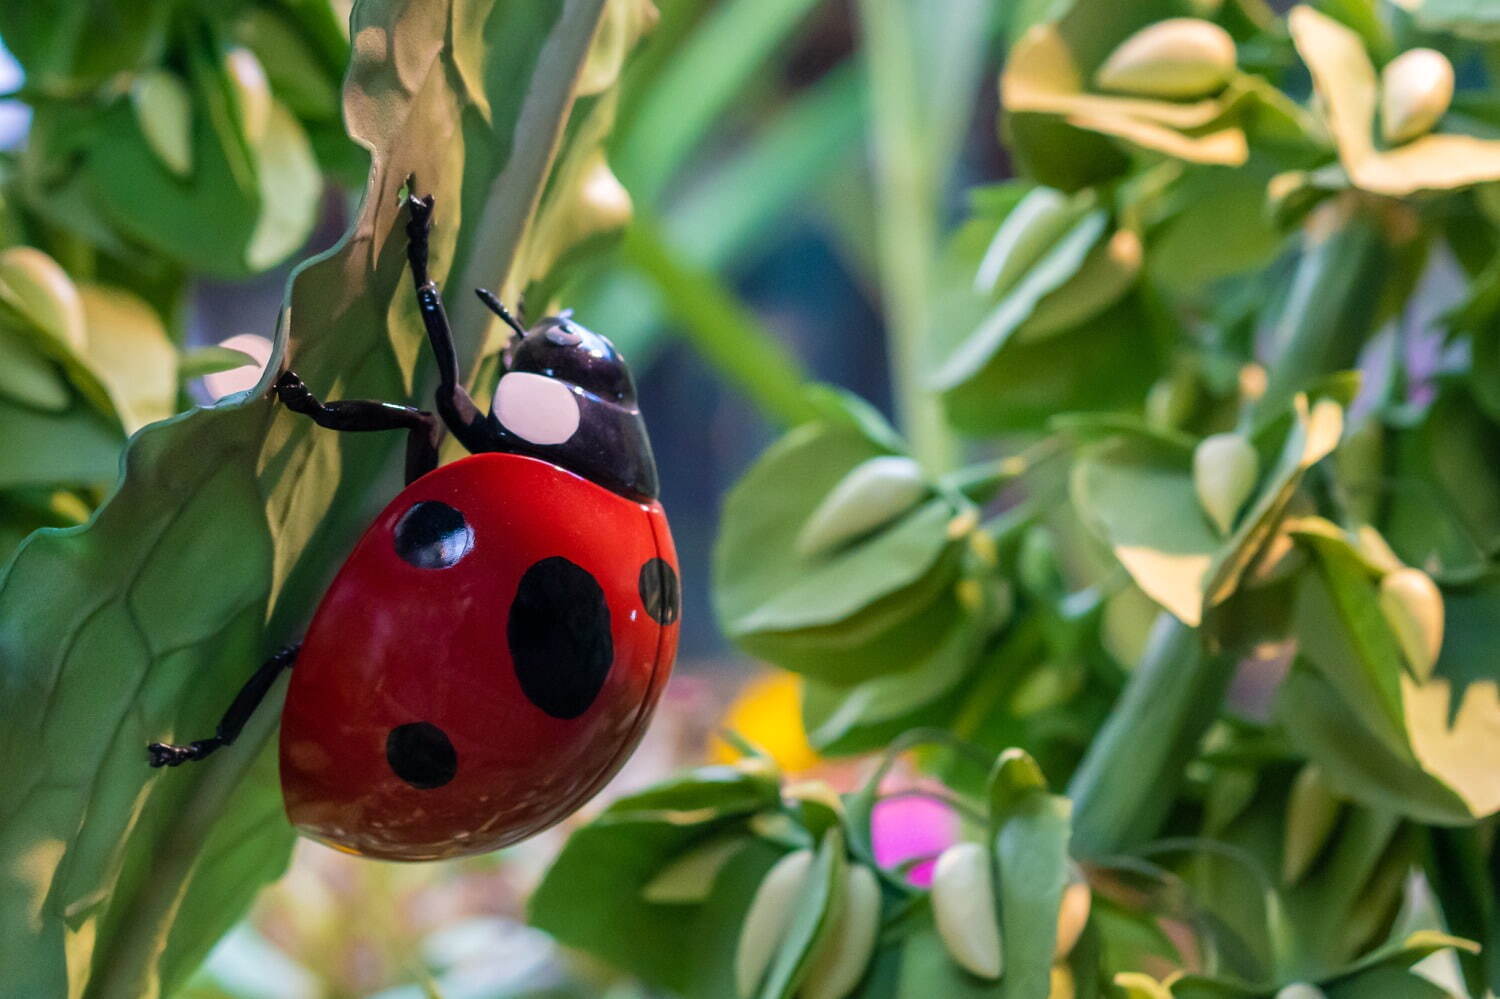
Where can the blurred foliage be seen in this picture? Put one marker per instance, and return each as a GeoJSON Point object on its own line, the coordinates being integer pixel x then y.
{"type": "Point", "coordinates": [167, 141]}
{"type": "Point", "coordinates": [1277, 725]}
{"type": "Point", "coordinates": [1192, 685]}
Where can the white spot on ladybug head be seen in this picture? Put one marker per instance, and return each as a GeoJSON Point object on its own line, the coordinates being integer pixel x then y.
{"type": "Point", "coordinates": [536, 408]}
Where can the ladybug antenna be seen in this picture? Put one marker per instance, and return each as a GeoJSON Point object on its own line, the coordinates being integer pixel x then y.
{"type": "Point", "coordinates": [494, 305]}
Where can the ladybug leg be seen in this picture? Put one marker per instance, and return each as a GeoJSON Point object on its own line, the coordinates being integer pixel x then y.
{"type": "Point", "coordinates": [454, 403]}
{"type": "Point", "coordinates": [423, 430]}
{"type": "Point", "coordinates": [245, 702]}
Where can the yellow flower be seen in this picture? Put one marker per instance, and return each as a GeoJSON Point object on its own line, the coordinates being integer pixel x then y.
{"type": "Point", "coordinates": [768, 714]}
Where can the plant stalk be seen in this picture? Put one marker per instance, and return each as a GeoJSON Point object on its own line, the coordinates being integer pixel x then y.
{"type": "Point", "coordinates": [726, 333]}
{"type": "Point", "coordinates": [907, 188]}
{"type": "Point", "coordinates": [1125, 786]}
{"type": "Point", "coordinates": [1334, 302]}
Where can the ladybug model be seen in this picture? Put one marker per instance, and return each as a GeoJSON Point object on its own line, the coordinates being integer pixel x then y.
{"type": "Point", "coordinates": [491, 652]}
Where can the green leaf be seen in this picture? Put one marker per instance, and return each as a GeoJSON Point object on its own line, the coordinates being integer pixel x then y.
{"type": "Point", "coordinates": [810, 924]}
{"type": "Point", "coordinates": [1425, 750]}
{"type": "Point", "coordinates": [129, 353]}
{"type": "Point", "coordinates": [75, 447]}
{"type": "Point", "coordinates": [1046, 74]}
{"type": "Point", "coordinates": [142, 624]}
{"type": "Point", "coordinates": [708, 70]}
{"type": "Point", "coordinates": [79, 45]}
{"type": "Point", "coordinates": [927, 970]}
{"type": "Point", "coordinates": [202, 361]}
{"type": "Point", "coordinates": [1104, 365]}
{"type": "Point", "coordinates": [735, 207]}
{"type": "Point", "coordinates": [792, 608]}
{"type": "Point", "coordinates": [1136, 494]}
{"type": "Point", "coordinates": [1138, 497]}
{"type": "Point", "coordinates": [1442, 502]}
{"type": "Point", "coordinates": [596, 884]}
{"type": "Point", "coordinates": [1222, 227]}
{"type": "Point", "coordinates": [253, 227]}
{"type": "Point", "coordinates": [28, 377]}
{"type": "Point", "coordinates": [866, 715]}
{"type": "Point", "coordinates": [1031, 851]}
{"type": "Point", "coordinates": [1059, 264]}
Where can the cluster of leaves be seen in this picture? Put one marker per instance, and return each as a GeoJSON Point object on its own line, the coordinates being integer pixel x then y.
{"type": "Point", "coordinates": [1239, 716]}
{"type": "Point", "coordinates": [167, 141]}
{"type": "Point", "coordinates": [679, 864]}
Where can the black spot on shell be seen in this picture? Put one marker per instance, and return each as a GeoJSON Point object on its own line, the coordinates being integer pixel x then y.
{"type": "Point", "coordinates": [559, 637]}
{"type": "Point", "coordinates": [659, 591]}
{"type": "Point", "coordinates": [421, 754]}
{"type": "Point", "coordinates": [433, 535]}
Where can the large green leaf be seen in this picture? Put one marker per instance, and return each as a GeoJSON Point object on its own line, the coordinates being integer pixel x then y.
{"type": "Point", "coordinates": [143, 623]}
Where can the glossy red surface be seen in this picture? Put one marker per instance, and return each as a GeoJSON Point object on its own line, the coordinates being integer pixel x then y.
{"type": "Point", "coordinates": [392, 644]}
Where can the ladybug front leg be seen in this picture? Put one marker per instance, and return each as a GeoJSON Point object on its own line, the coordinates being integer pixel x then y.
{"type": "Point", "coordinates": [454, 403]}
{"type": "Point", "coordinates": [359, 414]}
{"type": "Point", "coordinates": [245, 702]}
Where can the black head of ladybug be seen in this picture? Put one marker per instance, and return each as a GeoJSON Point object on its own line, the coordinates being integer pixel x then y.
{"type": "Point", "coordinates": [560, 348]}
{"type": "Point", "coordinates": [567, 396]}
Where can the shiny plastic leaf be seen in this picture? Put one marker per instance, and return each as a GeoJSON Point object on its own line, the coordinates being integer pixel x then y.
{"type": "Point", "coordinates": [142, 624]}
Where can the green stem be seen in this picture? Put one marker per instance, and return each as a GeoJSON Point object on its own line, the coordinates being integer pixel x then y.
{"type": "Point", "coordinates": [721, 328]}
{"type": "Point", "coordinates": [1333, 304]}
{"type": "Point", "coordinates": [908, 188]}
{"type": "Point", "coordinates": [1126, 785]}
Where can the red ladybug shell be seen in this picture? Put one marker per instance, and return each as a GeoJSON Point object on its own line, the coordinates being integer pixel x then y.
{"type": "Point", "coordinates": [484, 662]}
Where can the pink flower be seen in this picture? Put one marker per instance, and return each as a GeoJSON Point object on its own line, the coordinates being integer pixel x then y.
{"type": "Point", "coordinates": [903, 828]}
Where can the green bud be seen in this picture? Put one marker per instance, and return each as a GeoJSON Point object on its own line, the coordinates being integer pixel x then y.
{"type": "Point", "coordinates": [164, 113]}
{"type": "Point", "coordinates": [251, 90]}
{"type": "Point", "coordinates": [841, 959]}
{"type": "Point", "coordinates": [767, 919]}
{"type": "Point", "coordinates": [1416, 88]}
{"type": "Point", "coordinates": [1225, 468]}
{"type": "Point", "coordinates": [1028, 231]}
{"type": "Point", "coordinates": [1173, 399]}
{"type": "Point", "coordinates": [873, 494]}
{"type": "Point", "coordinates": [1300, 990]}
{"type": "Point", "coordinates": [1179, 58]}
{"type": "Point", "coordinates": [963, 906]}
{"type": "Point", "coordinates": [36, 286]}
{"type": "Point", "coordinates": [1413, 608]}
{"type": "Point", "coordinates": [1311, 813]}
{"type": "Point", "coordinates": [1373, 550]}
